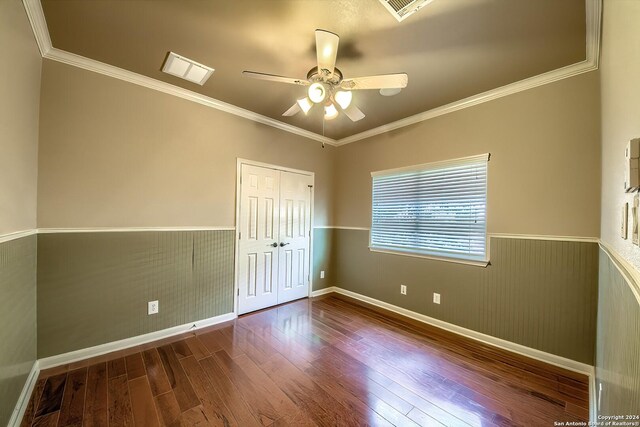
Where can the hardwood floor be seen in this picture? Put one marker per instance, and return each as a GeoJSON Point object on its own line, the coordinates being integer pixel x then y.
{"type": "Point", "coordinates": [325, 361]}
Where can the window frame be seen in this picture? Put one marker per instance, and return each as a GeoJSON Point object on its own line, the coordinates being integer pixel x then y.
{"type": "Point", "coordinates": [432, 166]}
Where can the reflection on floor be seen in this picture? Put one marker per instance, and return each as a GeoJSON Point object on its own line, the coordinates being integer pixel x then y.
{"type": "Point", "coordinates": [324, 361]}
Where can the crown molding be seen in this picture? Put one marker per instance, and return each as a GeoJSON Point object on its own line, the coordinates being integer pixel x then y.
{"type": "Point", "coordinates": [41, 32]}
{"type": "Point", "coordinates": [38, 25]}
{"type": "Point", "coordinates": [593, 11]}
{"type": "Point", "coordinates": [138, 79]}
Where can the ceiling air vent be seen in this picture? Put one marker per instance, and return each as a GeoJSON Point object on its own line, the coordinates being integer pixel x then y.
{"type": "Point", "coordinates": [401, 9]}
{"type": "Point", "coordinates": [187, 69]}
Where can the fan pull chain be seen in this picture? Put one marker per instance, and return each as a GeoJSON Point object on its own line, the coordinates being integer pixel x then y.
{"type": "Point", "coordinates": [323, 131]}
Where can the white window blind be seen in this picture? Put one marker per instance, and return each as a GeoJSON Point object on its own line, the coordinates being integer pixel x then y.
{"type": "Point", "coordinates": [435, 209]}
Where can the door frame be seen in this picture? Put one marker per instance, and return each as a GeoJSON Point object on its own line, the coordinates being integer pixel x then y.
{"type": "Point", "coordinates": [236, 275]}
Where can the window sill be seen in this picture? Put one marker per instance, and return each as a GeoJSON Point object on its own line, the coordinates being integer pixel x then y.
{"type": "Point", "coordinates": [435, 258]}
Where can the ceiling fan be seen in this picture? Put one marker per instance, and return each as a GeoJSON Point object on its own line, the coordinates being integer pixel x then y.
{"type": "Point", "coordinates": [327, 85]}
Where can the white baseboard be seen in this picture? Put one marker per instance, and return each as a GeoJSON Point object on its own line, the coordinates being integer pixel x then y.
{"type": "Point", "coordinates": [323, 291]}
{"type": "Point", "coordinates": [86, 353]}
{"type": "Point", "coordinates": [23, 400]}
{"type": "Point", "coordinates": [533, 353]}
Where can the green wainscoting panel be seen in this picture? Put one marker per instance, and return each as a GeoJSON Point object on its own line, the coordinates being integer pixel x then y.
{"type": "Point", "coordinates": [538, 293]}
{"type": "Point", "coordinates": [323, 258]}
{"type": "Point", "coordinates": [93, 287]}
{"type": "Point", "coordinates": [18, 319]}
{"type": "Point", "coordinates": [618, 343]}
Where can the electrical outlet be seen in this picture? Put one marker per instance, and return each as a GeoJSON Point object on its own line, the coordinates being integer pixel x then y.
{"type": "Point", "coordinates": [322, 274]}
{"type": "Point", "coordinates": [403, 289]}
{"type": "Point", "coordinates": [436, 298]}
{"type": "Point", "coordinates": [153, 307]}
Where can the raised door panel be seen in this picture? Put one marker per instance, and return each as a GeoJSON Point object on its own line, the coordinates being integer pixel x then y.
{"type": "Point", "coordinates": [259, 231]}
{"type": "Point", "coordinates": [295, 235]}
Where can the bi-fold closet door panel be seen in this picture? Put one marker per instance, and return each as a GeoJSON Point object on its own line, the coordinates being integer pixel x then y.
{"type": "Point", "coordinates": [295, 235]}
{"type": "Point", "coordinates": [259, 239]}
{"type": "Point", "coordinates": [274, 238]}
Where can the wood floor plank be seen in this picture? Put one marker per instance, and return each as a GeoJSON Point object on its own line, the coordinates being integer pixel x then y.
{"type": "Point", "coordinates": [257, 391]}
{"type": "Point", "coordinates": [326, 361]}
{"type": "Point", "coordinates": [168, 409]}
{"type": "Point", "coordinates": [30, 411]}
{"type": "Point", "coordinates": [294, 347]}
{"type": "Point", "coordinates": [116, 367]}
{"type": "Point", "coordinates": [96, 401]}
{"type": "Point", "coordinates": [226, 387]}
{"type": "Point", "coordinates": [211, 341]}
{"type": "Point", "coordinates": [357, 378]}
{"type": "Point", "coordinates": [142, 403]}
{"type": "Point", "coordinates": [135, 366]}
{"type": "Point", "coordinates": [245, 342]}
{"type": "Point", "coordinates": [51, 398]}
{"type": "Point", "coordinates": [422, 419]}
{"type": "Point", "coordinates": [213, 404]}
{"type": "Point", "coordinates": [298, 419]}
{"type": "Point", "coordinates": [155, 372]}
{"type": "Point", "coordinates": [180, 384]}
{"type": "Point", "coordinates": [73, 400]}
{"type": "Point", "coordinates": [366, 406]}
{"type": "Point", "coordinates": [198, 349]}
{"type": "Point", "coordinates": [577, 410]}
{"type": "Point", "coordinates": [48, 420]}
{"type": "Point", "coordinates": [196, 417]}
{"type": "Point", "coordinates": [321, 407]}
{"type": "Point", "coordinates": [120, 413]}
{"type": "Point", "coordinates": [181, 349]}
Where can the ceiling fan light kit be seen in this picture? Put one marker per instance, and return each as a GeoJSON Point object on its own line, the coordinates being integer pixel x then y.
{"type": "Point", "coordinates": [317, 92]}
{"type": "Point", "coordinates": [305, 104]}
{"type": "Point", "coordinates": [343, 98]}
{"type": "Point", "coordinates": [326, 82]}
{"type": "Point", "coordinates": [330, 111]}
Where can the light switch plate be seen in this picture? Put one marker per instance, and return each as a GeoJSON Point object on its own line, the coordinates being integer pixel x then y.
{"type": "Point", "coordinates": [634, 221]}
{"type": "Point", "coordinates": [624, 226]}
{"type": "Point", "coordinates": [436, 298]}
{"type": "Point", "coordinates": [632, 166]}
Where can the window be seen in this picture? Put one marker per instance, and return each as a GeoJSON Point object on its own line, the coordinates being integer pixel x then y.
{"type": "Point", "coordinates": [435, 210]}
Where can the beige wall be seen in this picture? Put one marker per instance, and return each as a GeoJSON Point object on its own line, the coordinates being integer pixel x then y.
{"type": "Point", "coordinates": [113, 154]}
{"type": "Point", "coordinates": [620, 88]}
{"type": "Point", "coordinates": [19, 110]}
{"type": "Point", "coordinates": [19, 107]}
{"type": "Point", "coordinates": [544, 174]}
{"type": "Point", "coordinates": [618, 339]}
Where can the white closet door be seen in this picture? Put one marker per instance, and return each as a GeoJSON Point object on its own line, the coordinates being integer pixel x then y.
{"type": "Point", "coordinates": [258, 247]}
{"type": "Point", "coordinates": [295, 236]}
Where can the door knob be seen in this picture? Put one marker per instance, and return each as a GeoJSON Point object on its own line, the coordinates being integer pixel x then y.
{"type": "Point", "coordinates": [283, 244]}
{"type": "Point", "coordinates": [274, 244]}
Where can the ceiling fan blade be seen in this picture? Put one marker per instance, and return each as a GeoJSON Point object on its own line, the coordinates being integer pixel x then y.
{"type": "Point", "coordinates": [295, 109]}
{"type": "Point", "coordinates": [275, 78]}
{"type": "Point", "coordinates": [326, 51]}
{"type": "Point", "coordinates": [384, 81]}
{"type": "Point", "coordinates": [353, 113]}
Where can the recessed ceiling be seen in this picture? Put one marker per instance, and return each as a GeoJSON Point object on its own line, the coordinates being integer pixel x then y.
{"type": "Point", "coordinates": [451, 49]}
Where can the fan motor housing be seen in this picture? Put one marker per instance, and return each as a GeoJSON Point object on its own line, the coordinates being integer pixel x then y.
{"type": "Point", "coordinates": [314, 76]}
